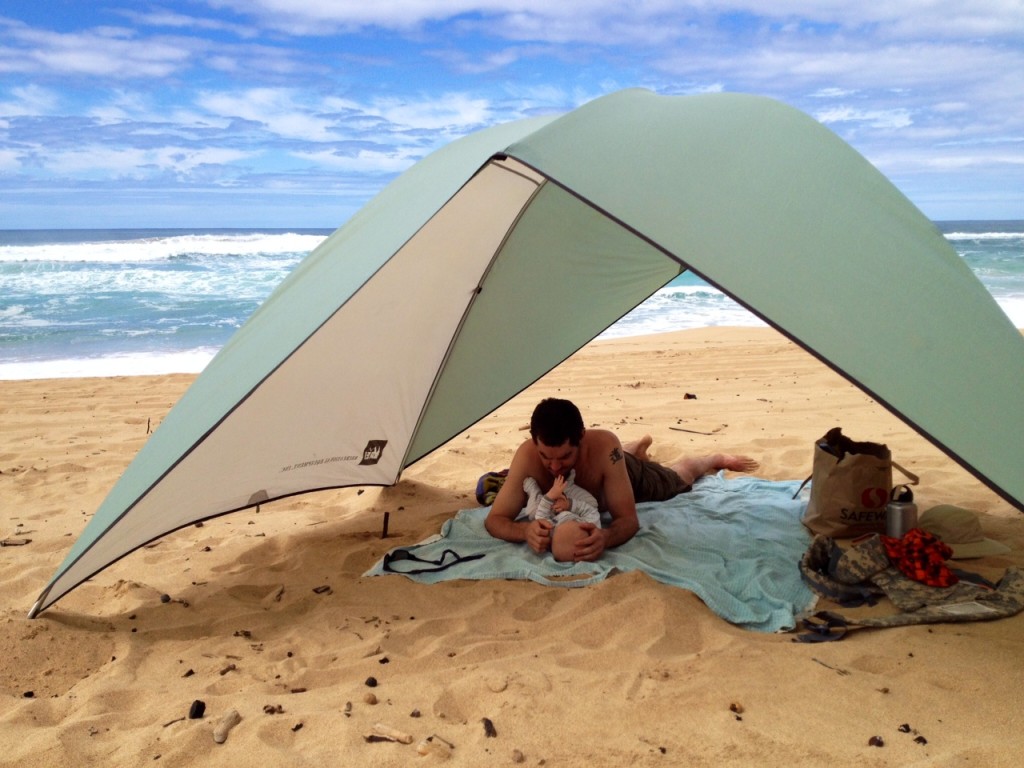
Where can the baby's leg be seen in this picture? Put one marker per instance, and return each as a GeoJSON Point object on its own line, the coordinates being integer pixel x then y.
{"type": "Point", "coordinates": [563, 540]}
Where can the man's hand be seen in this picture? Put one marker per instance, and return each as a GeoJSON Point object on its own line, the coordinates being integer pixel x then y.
{"type": "Point", "coordinates": [589, 548]}
{"type": "Point", "coordinates": [538, 535]}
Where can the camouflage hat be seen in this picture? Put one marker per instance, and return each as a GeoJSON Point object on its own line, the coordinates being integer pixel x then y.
{"type": "Point", "coordinates": [961, 530]}
{"type": "Point", "coordinates": [817, 567]}
{"type": "Point", "coordinates": [865, 558]}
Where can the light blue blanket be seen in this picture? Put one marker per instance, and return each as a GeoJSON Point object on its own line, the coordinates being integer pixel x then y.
{"type": "Point", "coordinates": [735, 543]}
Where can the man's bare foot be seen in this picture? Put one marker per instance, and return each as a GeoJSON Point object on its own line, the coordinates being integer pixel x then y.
{"type": "Point", "coordinates": [691, 469]}
{"type": "Point", "coordinates": [639, 447]}
{"type": "Point", "coordinates": [736, 463]}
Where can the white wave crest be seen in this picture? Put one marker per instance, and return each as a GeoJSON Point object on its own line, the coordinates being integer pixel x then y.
{"type": "Point", "coordinates": [111, 365]}
{"type": "Point", "coordinates": [163, 248]}
{"type": "Point", "coordinates": [984, 235]}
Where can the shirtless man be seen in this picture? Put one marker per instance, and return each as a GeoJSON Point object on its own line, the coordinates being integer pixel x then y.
{"type": "Point", "coordinates": [616, 476]}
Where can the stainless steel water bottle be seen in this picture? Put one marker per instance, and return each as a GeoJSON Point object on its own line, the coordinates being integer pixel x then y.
{"type": "Point", "coordinates": [900, 512]}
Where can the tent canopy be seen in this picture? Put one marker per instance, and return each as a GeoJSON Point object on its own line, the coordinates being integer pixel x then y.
{"type": "Point", "coordinates": [531, 238]}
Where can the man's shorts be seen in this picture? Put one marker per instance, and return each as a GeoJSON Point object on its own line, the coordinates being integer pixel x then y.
{"type": "Point", "coordinates": [652, 481]}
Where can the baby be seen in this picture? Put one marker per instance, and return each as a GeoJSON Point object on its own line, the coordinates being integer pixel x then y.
{"type": "Point", "coordinates": [565, 502]}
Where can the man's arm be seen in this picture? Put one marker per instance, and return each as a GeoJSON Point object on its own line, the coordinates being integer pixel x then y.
{"type": "Point", "coordinates": [501, 521]}
{"type": "Point", "coordinates": [618, 495]}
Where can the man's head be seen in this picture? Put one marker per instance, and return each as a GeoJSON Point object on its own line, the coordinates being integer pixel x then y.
{"type": "Point", "coordinates": [556, 422]}
{"type": "Point", "coordinates": [557, 428]}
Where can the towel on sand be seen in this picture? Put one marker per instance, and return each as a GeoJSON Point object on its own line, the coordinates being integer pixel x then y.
{"type": "Point", "coordinates": [735, 543]}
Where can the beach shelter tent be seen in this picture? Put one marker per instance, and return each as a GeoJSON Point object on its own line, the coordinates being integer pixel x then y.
{"type": "Point", "coordinates": [496, 257]}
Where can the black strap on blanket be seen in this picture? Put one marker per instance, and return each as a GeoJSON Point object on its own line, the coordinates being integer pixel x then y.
{"type": "Point", "coordinates": [822, 627]}
{"type": "Point", "coordinates": [400, 555]}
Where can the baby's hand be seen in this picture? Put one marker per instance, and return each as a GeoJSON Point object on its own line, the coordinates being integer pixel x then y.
{"type": "Point", "coordinates": [561, 504]}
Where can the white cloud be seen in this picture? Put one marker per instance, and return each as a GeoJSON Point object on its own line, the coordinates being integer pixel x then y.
{"type": "Point", "coordinates": [163, 18]}
{"type": "Point", "coordinates": [124, 105]}
{"type": "Point", "coordinates": [587, 20]}
{"type": "Point", "coordinates": [136, 163]}
{"type": "Point", "coordinates": [278, 109]}
{"type": "Point", "coordinates": [292, 115]}
{"type": "Point", "coordinates": [960, 162]}
{"type": "Point", "coordinates": [832, 93]}
{"type": "Point", "coordinates": [876, 118]}
{"type": "Point", "coordinates": [10, 161]}
{"type": "Point", "coordinates": [915, 160]}
{"type": "Point", "coordinates": [109, 52]}
{"type": "Point", "coordinates": [473, 63]}
{"type": "Point", "coordinates": [30, 99]}
{"type": "Point", "coordinates": [363, 161]}
{"type": "Point", "coordinates": [448, 111]}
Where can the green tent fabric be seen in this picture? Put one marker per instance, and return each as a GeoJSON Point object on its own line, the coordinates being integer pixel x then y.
{"type": "Point", "coordinates": [498, 256]}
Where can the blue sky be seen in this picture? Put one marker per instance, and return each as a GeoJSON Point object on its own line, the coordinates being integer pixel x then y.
{"type": "Point", "coordinates": [293, 113]}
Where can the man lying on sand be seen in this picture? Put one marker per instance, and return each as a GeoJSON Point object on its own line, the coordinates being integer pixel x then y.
{"type": "Point", "coordinates": [618, 476]}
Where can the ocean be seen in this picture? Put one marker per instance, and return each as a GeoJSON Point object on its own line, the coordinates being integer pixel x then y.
{"type": "Point", "coordinates": [131, 302]}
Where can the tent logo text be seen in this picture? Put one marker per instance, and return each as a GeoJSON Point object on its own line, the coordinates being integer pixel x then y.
{"type": "Point", "coordinates": [372, 452]}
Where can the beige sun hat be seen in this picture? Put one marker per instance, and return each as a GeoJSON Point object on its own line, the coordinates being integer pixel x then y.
{"type": "Point", "coordinates": [961, 530]}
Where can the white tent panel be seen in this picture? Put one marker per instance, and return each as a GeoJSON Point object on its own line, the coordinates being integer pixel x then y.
{"type": "Point", "coordinates": [311, 423]}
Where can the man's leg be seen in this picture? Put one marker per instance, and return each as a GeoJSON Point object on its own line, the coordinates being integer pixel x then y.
{"type": "Point", "coordinates": [690, 469]}
{"type": "Point", "coordinates": [639, 447]}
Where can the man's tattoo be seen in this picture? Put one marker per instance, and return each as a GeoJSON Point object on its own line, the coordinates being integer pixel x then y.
{"type": "Point", "coordinates": [616, 456]}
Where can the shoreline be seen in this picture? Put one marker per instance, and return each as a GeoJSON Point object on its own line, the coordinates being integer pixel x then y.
{"type": "Point", "coordinates": [72, 368]}
{"type": "Point", "coordinates": [647, 672]}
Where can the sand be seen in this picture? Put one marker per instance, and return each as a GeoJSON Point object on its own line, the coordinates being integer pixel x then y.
{"type": "Point", "coordinates": [267, 612]}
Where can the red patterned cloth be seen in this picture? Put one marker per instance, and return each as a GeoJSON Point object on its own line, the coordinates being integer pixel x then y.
{"type": "Point", "coordinates": [921, 556]}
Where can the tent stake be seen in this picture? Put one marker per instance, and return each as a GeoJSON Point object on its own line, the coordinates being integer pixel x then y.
{"type": "Point", "coordinates": [384, 532]}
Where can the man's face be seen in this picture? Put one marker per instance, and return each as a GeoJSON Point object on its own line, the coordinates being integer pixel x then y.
{"type": "Point", "coordinates": [558, 460]}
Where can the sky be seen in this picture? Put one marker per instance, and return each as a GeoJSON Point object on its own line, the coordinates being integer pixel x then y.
{"type": "Point", "coordinates": [294, 113]}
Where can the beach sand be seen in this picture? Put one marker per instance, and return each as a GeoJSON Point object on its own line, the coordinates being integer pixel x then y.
{"type": "Point", "coordinates": [269, 613]}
